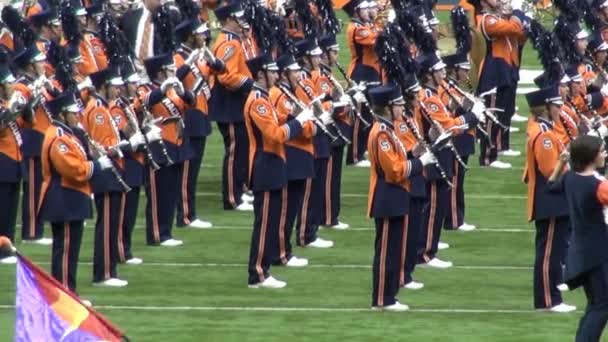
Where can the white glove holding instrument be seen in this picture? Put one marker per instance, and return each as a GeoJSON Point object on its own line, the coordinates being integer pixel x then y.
{"type": "Point", "coordinates": [360, 97]}
{"type": "Point", "coordinates": [604, 90]}
{"type": "Point", "coordinates": [193, 56]}
{"type": "Point", "coordinates": [136, 140]}
{"type": "Point", "coordinates": [104, 162]}
{"type": "Point", "coordinates": [154, 134]}
{"type": "Point", "coordinates": [305, 115]}
{"type": "Point", "coordinates": [208, 56]}
{"type": "Point", "coordinates": [602, 130]}
{"type": "Point", "coordinates": [427, 158]}
{"type": "Point", "coordinates": [326, 118]}
{"type": "Point", "coordinates": [345, 99]}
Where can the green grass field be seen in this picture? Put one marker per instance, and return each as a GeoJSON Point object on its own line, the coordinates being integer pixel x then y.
{"type": "Point", "coordinates": [198, 292]}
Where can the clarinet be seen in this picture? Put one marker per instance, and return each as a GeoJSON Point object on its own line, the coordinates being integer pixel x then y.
{"type": "Point", "coordinates": [338, 86]}
{"type": "Point", "coordinates": [581, 115]}
{"type": "Point", "coordinates": [351, 84]}
{"type": "Point", "coordinates": [488, 114]}
{"type": "Point", "coordinates": [441, 130]}
{"type": "Point", "coordinates": [318, 107]}
{"type": "Point", "coordinates": [300, 105]}
{"type": "Point", "coordinates": [461, 105]}
{"type": "Point", "coordinates": [133, 122]}
{"type": "Point", "coordinates": [100, 151]}
{"type": "Point", "coordinates": [420, 139]}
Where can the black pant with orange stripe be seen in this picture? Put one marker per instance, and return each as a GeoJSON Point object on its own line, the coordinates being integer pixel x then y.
{"type": "Point", "coordinates": [31, 227]}
{"type": "Point", "coordinates": [357, 148]}
{"type": "Point", "coordinates": [188, 176]}
{"type": "Point", "coordinates": [269, 208]}
{"type": "Point", "coordinates": [509, 95]}
{"type": "Point", "coordinates": [333, 184]}
{"type": "Point", "coordinates": [109, 207]}
{"type": "Point", "coordinates": [161, 191]}
{"type": "Point", "coordinates": [130, 206]}
{"type": "Point", "coordinates": [236, 160]}
{"type": "Point", "coordinates": [311, 214]}
{"type": "Point", "coordinates": [454, 216]}
{"type": "Point", "coordinates": [414, 230]}
{"type": "Point", "coordinates": [552, 236]}
{"type": "Point", "coordinates": [9, 201]}
{"type": "Point", "coordinates": [67, 238]}
{"type": "Point", "coordinates": [433, 217]}
{"type": "Point", "coordinates": [503, 99]}
{"type": "Point", "coordinates": [296, 190]}
{"type": "Point", "coordinates": [388, 259]}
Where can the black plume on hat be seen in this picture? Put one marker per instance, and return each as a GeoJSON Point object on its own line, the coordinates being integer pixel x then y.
{"type": "Point", "coordinates": [394, 56]}
{"type": "Point", "coordinates": [116, 43]}
{"type": "Point", "coordinates": [462, 30]}
{"type": "Point", "coordinates": [330, 22]}
{"type": "Point", "coordinates": [163, 21]}
{"type": "Point", "coordinates": [548, 49]}
{"type": "Point", "coordinates": [415, 31]}
{"type": "Point", "coordinates": [57, 56]}
{"type": "Point", "coordinates": [18, 26]}
{"type": "Point", "coordinates": [188, 9]}
{"type": "Point", "coordinates": [564, 32]}
{"type": "Point", "coordinates": [568, 9]}
{"type": "Point", "coordinates": [310, 25]}
{"type": "Point", "coordinates": [69, 22]}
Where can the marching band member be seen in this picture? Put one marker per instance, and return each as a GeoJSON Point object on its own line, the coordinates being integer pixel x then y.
{"type": "Point", "coordinates": [363, 67]}
{"type": "Point", "coordinates": [548, 210]}
{"type": "Point", "coordinates": [65, 196]}
{"type": "Point", "coordinates": [388, 195]}
{"type": "Point", "coordinates": [167, 101]}
{"type": "Point", "coordinates": [498, 73]}
{"type": "Point", "coordinates": [437, 117]}
{"type": "Point", "coordinates": [228, 96]}
{"type": "Point", "coordinates": [94, 14]}
{"type": "Point", "coordinates": [267, 173]}
{"type": "Point", "coordinates": [195, 66]}
{"type": "Point", "coordinates": [10, 157]}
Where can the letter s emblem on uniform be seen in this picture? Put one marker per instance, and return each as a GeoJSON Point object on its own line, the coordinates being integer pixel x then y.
{"type": "Point", "coordinates": [547, 144]}
{"type": "Point", "coordinates": [364, 33]}
{"type": "Point", "coordinates": [261, 109]}
{"type": "Point", "coordinates": [403, 127]}
{"type": "Point", "coordinates": [63, 148]}
{"type": "Point", "coordinates": [99, 119]}
{"type": "Point", "coordinates": [325, 87]}
{"type": "Point", "coordinates": [228, 53]}
{"type": "Point", "coordinates": [384, 145]}
{"type": "Point", "coordinates": [434, 108]}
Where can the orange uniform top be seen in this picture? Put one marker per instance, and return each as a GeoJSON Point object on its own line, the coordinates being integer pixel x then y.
{"type": "Point", "coordinates": [197, 81]}
{"type": "Point", "coordinates": [361, 40]}
{"type": "Point", "coordinates": [285, 108]}
{"type": "Point", "coordinates": [88, 64]}
{"type": "Point", "coordinates": [63, 153]}
{"type": "Point", "coordinates": [120, 119]}
{"type": "Point", "coordinates": [503, 33]}
{"type": "Point", "coordinates": [403, 132]}
{"type": "Point", "coordinates": [448, 95]}
{"type": "Point", "coordinates": [6, 38]}
{"type": "Point", "coordinates": [98, 122]}
{"type": "Point", "coordinates": [41, 120]}
{"type": "Point", "coordinates": [434, 107]}
{"type": "Point", "coordinates": [169, 105]}
{"type": "Point", "coordinates": [543, 148]}
{"type": "Point", "coordinates": [98, 48]}
{"type": "Point", "coordinates": [234, 52]}
{"type": "Point", "coordinates": [566, 128]}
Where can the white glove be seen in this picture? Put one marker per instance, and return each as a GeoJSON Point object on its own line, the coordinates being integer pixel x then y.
{"type": "Point", "coordinates": [345, 99]}
{"type": "Point", "coordinates": [391, 15]}
{"type": "Point", "coordinates": [360, 97]}
{"type": "Point", "coordinates": [165, 85]}
{"type": "Point", "coordinates": [305, 115]}
{"type": "Point", "coordinates": [154, 134]}
{"type": "Point", "coordinates": [193, 56]}
{"type": "Point", "coordinates": [104, 162]}
{"type": "Point", "coordinates": [17, 102]}
{"type": "Point", "coordinates": [478, 109]}
{"type": "Point", "coordinates": [136, 140]}
{"type": "Point", "coordinates": [604, 90]}
{"type": "Point", "coordinates": [603, 130]}
{"type": "Point", "coordinates": [326, 118]}
{"type": "Point", "coordinates": [427, 158]}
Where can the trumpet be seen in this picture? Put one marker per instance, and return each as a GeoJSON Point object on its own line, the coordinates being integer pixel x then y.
{"type": "Point", "coordinates": [132, 118]}
{"type": "Point", "coordinates": [442, 132]}
{"type": "Point", "coordinates": [99, 151]}
{"type": "Point", "coordinates": [302, 106]}
{"type": "Point", "coordinates": [420, 139]}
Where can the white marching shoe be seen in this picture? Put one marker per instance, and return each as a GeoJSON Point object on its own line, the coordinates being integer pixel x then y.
{"type": "Point", "coordinates": [497, 164]}
{"type": "Point", "coordinates": [413, 285]}
{"type": "Point", "coordinates": [465, 227]}
{"type": "Point", "coordinates": [269, 283]}
{"type": "Point", "coordinates": [339, 226]}
{"type": "Point", "coordinates": [397, 307]}
{"type": "Point", "coordinates": [510, 153]}
{"type": "Point", "coordinates": [134, 261]}
{"type": "Point", "coordinates": [172, 243]}
{"type": "Point", "coordinates": [11, 260]}
{"type": "Point", "coordinates": [518, 118]}
{"type": "Point", "coordinates": [321, 243]}
{"type": "Point", "coordinates": [442, 245]}
{"type": "Point", "coordinates": [363, 163]}
{"type": "Point", "coordinates": [563, 288]}
{"type": "Point", "coordinates": [245, 206]}
{"type": "Point", "coordinates": [438, 263]}
{"type": "Point", "coordinates": [41, 241]}
{"type": "Point", "coordinates": [200, 224]}
{"type": "Point", "coordinates": [296, 262]}
{"type": "Point", "coordinates": [245, 197]}
{"type": "Point", "coordinates": [112, 282]}
{"type": "Point", "coordinates": [563, 308]}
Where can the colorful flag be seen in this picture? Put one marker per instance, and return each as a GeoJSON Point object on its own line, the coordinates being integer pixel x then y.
{"type": "Point", "coordinates": [46, 311]}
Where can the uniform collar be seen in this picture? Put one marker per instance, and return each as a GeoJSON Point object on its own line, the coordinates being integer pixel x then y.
{"type": "Point", "coordinates": [431, 88]}
{"type": "Point", "coordinates": [62, 126]}
{"type": "Point", "coordinates": [238, 36]}
{"type": "Point", "coordinates": [356, 21]}
{"type": "Point", "coordinates": [545, 121]}
{"type": "Point", "coordinates": [260, 89]}
{"type": "Point", "coordinates": [386, 122]}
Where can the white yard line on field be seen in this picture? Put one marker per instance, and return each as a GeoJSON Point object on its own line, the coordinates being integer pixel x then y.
{"type": "Point", "coordinates": [357, 229]}
{"type": "Point", "coordinates": [346, 195]}
{"type": "Point", "coordinates": [300, 309]}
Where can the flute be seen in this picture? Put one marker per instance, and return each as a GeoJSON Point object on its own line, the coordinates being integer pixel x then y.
{"type": "Point", "coordinates": [100, 151]}
{"type": "Point", "coordinates": [131, 117]}
{"type": "Point", "coordinates": [300, 105]}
